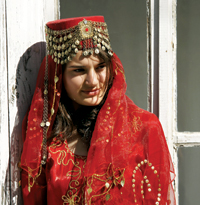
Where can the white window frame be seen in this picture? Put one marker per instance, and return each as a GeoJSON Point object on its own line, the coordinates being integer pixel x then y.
{"type": "Point", "coordinates": [168, 84]}
{"type": "Point", "coordinates": [168, 78]}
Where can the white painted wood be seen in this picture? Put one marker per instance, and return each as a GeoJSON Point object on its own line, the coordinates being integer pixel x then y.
{"type": "Point", "coordinates": [25, 21]}
{"type": "Point", "coordinates": [174, 93]}
{"type": "Point", "coordinates": [168, 85]}
{"type": "Point", "coordinates": [187, 138]}
{"type": "Point", "coordinates": [167, 77]}
{"type": "Point", "coordinates": [166, 71]}
{"type": "Point", "coordinates": [4, 145]}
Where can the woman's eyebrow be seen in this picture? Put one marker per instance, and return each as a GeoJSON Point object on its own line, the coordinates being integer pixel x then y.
{"type": "Point", "coordinates": [76, 66]}
{"type": "Point", "coordinates": [102, 63]}
{"type": "Point", "coordinates": [82, 66]}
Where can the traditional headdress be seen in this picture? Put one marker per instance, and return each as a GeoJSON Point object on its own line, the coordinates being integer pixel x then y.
{"type": "Point", "coordinates": [64, 39]}
{"type": "Point", "coordinates": [126, 139]}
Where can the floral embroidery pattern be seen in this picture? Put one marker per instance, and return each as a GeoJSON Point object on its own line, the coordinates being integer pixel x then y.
{"type": "Point", "coordinates": [76, 181]}
{"type": "Point", "coordinates": [136, 124]}
{"type": "Point", "coordinates": [112, 177]}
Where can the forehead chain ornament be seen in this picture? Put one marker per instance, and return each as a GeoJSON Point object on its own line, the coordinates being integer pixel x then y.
{"type": "Point", "coordinates": [89, 36]}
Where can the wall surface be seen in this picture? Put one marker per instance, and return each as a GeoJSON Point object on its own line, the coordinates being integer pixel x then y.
{"type": "Point", "coordinates": [22, 49]}
{"type": "Point", "coordinates": [127, 26]}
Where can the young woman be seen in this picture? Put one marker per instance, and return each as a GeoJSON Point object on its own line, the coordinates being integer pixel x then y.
{"type": "Point", "coordinates": [85, 141]}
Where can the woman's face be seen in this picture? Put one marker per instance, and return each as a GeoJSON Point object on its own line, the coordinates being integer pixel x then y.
{"type": "Point", "coordinates": [84, 79]}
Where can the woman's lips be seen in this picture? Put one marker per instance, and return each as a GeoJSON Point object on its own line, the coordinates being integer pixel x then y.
{"type": "Point", "coordinates": [91, 92]}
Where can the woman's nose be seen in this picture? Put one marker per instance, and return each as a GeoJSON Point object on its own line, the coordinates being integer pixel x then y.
{"type": "Point", "coordinates": [91, 78]}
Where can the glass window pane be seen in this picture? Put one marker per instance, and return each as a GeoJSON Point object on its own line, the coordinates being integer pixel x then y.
{"type": "Point", "coordinates": [188, 64]}
{"type": "Point", "coordinates": [127, 28]}
{"type": "Point", "coordinates": [189, 178]}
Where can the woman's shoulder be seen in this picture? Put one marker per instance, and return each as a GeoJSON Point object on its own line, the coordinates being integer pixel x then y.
{"type": "Point", "coordinates": [136, 111]}
{"type": "Point", "coordinates": [146, 123]}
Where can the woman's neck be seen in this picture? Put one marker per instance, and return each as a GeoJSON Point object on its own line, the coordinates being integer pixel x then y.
{"type": "Point", "coordinates": [77, 145]}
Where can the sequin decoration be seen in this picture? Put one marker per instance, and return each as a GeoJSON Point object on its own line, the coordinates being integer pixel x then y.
{"type": "Point", "coordinates": [88, 36]}
{"type": "Point", "coordinates": [86, 30]}
{"type": "Point", "coordinates": [146, 181]}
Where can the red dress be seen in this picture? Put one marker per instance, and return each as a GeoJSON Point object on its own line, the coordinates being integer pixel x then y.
{"type": "Point", "coordinates": [61, 182]}
{"type": "Point", "coordinates": [128, 160]}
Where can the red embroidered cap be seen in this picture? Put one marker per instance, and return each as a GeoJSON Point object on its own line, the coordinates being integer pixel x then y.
{"type": "Point", "coordinates": [67, 36]}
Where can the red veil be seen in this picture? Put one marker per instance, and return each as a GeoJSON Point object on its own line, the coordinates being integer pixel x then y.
{"type": "Point", "coordinates": [128, 160]}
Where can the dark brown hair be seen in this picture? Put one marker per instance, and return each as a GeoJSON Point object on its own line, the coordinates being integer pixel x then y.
{"type": "Point", "coordinates": [83, 119]}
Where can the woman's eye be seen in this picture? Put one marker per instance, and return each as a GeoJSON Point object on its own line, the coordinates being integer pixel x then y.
{"type": "Point", "coordinates": [79, 70]}
{"type": "Point", "coordinates": [101, 67]}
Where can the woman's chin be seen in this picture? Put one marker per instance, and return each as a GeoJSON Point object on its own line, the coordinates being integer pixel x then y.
{"type": "Point", "coordinates": [90, 101]}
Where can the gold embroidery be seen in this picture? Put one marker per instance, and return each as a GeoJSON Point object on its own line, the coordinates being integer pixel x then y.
{"type": "Point", "coordinates": [136, 123]}
{"type": "Point", "coordinates": [113, 176]}
{"type": "Point", "coordinates": [83, 189]}
{"type": "Point", "coordinates": [101, 139]}
{"type": "Point", "coordinates": [70, 200]}
{"type": "Point", "coordinates": [71, 196]}
{"type": "Point", "coordinates": [146, 180]}
{"type": "Point", "coordinates": [138, 110]}
{"type": "Point", "coordinates": [30, 185]}
{"type": "Point", "coordinates": [62, 153]}
{"type": "Point", "coordinates": [120, 70]}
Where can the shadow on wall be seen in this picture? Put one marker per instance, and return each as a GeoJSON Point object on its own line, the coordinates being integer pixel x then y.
{"type": "Point", "coordinates": [26, 76]}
